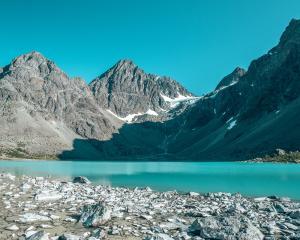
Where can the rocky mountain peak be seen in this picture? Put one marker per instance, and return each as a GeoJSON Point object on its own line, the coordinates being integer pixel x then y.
{"type": "Point", "coordinates": [125, 64]}
{"type": "Point", "coordinates": [292, 32]}
{"type": "Point", "coordinates": [239, 71]}
{"type": "Point", "coordinates": [231, 78]}
{"type": "Point", "coordinates": [126, 90]}
{"type": "Point", "coordinates": [289, 38]}
{"type": "Point", "coordinates": [35, 63]}
{"type": "Point", "coordinates": [32, 59]}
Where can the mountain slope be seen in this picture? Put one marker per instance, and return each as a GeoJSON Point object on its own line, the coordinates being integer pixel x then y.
{"type": "Point", "coordinates": [252, 116]}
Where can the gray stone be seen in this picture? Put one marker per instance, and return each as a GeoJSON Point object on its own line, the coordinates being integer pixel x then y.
{"type": "Point", "coordinates": [95, 215]}
{"type": "Point", "coordinates": [225, 227]}
{"type": "Point", "coordinates": [40, 235]}
{"type": "Point", "coordinates": [98, 233]}
{"type": "Point", "coordinates": [159, 236]}
{"type": "Point", "coordinates": [295, 214]}
{"type": "Point", "coordinates": [291, 226]}
{"type": "Point", "coordinates": [69, 237]}
{"type": "Point", "coordinates": [280, 208]}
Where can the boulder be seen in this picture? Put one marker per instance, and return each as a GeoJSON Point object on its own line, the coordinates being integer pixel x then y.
{"type": "Point", "coordinates": [40, 235]}
{"type": "Point", "coordinates": [48, 196]}
{"type": "Point", "coordinates": [95, 215]}
{"type": "Point", "coordinates": [98, 234]}
{"type": "Point", "coordinates": [69, 237]}
{"type": "Point", "coordinates": [295, 214]}
{"type": "Point", "coordinates": [159, 236]}
{"type": "Point", "coordinates": [81, 179]}
{"type": "Point", "coordinates": [225, 227]}
{"type": "Point", "coordinates": [280, 208]}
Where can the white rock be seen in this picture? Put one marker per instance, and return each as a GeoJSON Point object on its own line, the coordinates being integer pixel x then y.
{"type": "Point", "coordinates": [29, 229]}
{"type": "Point", "coordinates": [70, 237]}
{"type": "Point", "coordinates": [147, 217]}
{"type": "Point", "coordinates": [32, 217]}
{"type": "Point", "coordinates": [30, 233]}
{"type": "Point", "coordinates": [54, 217]}
{"type": "Point", "coordinates": [159, 236]}
{"type": "Point", "coordinates": [12, 228]}
{"type": "Point", "coordinates": [48, 196]}
{"type": "Point", "coordinates": [25, 186]}
{"type": "Point", "coordinates": [193, 194]}
{"type": "Point", "coordinates": [69, 219]}
{"type": "Point", "coordinates": [46, 226]}
{"type": "Point", "coordinates": [9, 176]}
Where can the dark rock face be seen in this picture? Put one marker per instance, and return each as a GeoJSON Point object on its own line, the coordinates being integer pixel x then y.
{"type": "Point", "coordinates": [125, 89]}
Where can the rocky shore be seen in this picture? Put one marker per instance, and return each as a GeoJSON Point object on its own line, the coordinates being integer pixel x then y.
{"type": "Point", "coordinates": [279, 156]}
{"type": "Point", "coordinates": [39, 208]}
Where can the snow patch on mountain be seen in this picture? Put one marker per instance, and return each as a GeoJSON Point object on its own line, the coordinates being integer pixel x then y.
{"type": "Point", "coordinates": [131, 117]}
{"type": "Point", "coordinates": [151, 112]}
{"type": "Point", "coordinates": [180, 98]}
{"type": "Point", "coordinates": [214, 93]}
{"type": "Point", "coordinates": [231, 124]}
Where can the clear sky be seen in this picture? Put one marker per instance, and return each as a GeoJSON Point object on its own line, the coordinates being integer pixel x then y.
{"type": "Point", "coordinates": [196, 42]}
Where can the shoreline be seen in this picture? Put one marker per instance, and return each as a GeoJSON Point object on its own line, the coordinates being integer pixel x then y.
{"type": "Point", "coordinates": [53, 207]}
{"type": "Point", "coordinates": [255, 160]}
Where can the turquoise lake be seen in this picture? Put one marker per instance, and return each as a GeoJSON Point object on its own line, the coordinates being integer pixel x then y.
{"type": "Point", "coordinates": [251, 179]}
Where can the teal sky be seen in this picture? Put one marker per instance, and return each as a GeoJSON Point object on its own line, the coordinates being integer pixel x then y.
{"type": "Point", "coordinates": [196, 42]}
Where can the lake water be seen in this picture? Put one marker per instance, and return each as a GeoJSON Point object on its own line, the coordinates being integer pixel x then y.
{"type": "Point", "coordinates": [252, 179]}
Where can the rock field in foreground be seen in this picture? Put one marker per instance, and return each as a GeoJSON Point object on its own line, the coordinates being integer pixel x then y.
{"type": "Point", "coordinates": [38, 208]}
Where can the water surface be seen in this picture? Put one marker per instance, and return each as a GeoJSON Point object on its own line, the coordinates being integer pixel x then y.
{"type": "Point", "coordinates": [252, 179]}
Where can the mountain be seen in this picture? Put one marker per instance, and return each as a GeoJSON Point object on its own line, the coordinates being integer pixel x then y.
{"type": "Point", "coordinates": [43, 110]}
{"type": "Point", "coordinates": [254, 115]}
{"type": "Point", "coordinates": [129, 93]}
{"type": "Point", "coordinates": [249, 116]}
{"type": "Point", "coordinates": [128, 114]}
{"type": "Point", "coordinates": [250, 113]}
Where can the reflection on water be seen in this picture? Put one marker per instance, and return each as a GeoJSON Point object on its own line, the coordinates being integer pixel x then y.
{"type": "Point", "coordinates": [254, 179]}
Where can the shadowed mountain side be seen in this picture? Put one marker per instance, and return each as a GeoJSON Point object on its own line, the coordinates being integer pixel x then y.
{"type": "Point", "coordinates": [134, 141]}
{"type": "Point", "coordinates": [211, 142]}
